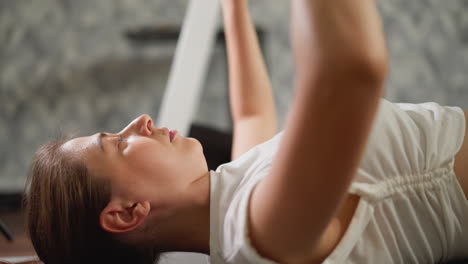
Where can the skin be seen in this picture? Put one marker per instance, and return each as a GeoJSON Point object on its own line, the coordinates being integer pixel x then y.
{"type": "Point", "coordinates": [461, 162]}
{"type": "Point", "coordinates": [338, 91]}
{"type": "Point", "coordinates": [153, 180]}
{"type": "Point", "coordinates": [250, 92]}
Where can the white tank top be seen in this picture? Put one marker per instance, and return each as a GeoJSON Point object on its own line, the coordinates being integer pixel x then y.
{"type": "Point", "coordinates": [412, 209]}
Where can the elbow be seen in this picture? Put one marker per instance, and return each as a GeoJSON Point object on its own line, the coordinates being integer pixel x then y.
{"type": "Point", "coordinates": [367, 67]}
{"type": "Point", "coordinates": [370, 69]}
{"type": "Point", "coordinates": [373, 67]}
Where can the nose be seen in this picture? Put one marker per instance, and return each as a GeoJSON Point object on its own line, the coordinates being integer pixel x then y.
{"type": "Point", "coordinates": [142, 125]}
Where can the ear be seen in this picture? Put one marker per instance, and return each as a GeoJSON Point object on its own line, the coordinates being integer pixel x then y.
{"type": "Point", "coordinates": [123, 216]}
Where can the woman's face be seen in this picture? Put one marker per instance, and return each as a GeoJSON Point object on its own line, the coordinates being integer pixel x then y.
{"type": "Point", "coordinates": [142, 162]}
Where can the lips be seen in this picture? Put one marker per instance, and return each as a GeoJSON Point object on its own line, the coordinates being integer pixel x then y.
{"type": "Point", "coordinates": [172, 135]}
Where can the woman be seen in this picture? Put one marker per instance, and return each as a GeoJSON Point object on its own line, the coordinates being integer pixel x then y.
{"type": "Point", "coordinates": [353, 178]}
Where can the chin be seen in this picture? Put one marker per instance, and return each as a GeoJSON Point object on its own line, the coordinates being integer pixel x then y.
{"type": "Point", "coordinates": [197, 143]}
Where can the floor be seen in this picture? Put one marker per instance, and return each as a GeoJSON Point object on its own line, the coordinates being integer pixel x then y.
{"type": "Point", "coordinates": [21, 245]}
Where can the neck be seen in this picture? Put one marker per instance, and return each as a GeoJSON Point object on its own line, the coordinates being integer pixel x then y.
{"type": "Point", "coordinates": [188, 229]}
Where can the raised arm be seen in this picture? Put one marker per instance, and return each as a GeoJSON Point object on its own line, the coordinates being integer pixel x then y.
{"type": "Point", "coordinates": [341, 66]}
{"type": "Point", "coordinates": [252, 105]}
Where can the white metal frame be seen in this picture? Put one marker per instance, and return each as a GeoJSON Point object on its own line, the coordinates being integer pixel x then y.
{"type": "Point", "coordinates": [191, 61]}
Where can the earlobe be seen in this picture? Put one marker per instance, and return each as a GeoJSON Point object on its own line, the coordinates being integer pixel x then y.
{"type": "Point", "coordinates": [120, 217]}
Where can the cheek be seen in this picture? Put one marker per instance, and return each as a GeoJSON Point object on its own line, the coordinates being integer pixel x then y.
{"type": "Point", "coordinates": [150, 159]}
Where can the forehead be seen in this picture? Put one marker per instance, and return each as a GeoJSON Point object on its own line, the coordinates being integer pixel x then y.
{"type": "Point", "coordinates": [81, 145]}
{"type": "Point", "coordinates": [87, 149]}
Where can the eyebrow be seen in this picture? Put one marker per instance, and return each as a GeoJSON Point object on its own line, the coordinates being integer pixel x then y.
{"type": "Point", "coordinates": [99, 140]}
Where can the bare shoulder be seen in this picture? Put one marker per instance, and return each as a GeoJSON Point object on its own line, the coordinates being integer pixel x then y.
{"type": "Point", "coordinates": [461, 162]}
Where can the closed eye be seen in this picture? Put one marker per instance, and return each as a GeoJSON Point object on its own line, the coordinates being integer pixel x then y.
{"type": "Point", "coordinates": [119, 140]}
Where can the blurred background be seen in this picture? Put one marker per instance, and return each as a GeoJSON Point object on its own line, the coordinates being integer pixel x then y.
{"type": "Point", "coordinates": [85, 66]}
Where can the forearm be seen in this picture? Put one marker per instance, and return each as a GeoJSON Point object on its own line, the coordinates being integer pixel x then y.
{"type": "Point", "coordinates": [250, 87]}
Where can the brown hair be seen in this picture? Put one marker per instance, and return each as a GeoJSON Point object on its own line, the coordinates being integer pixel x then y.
{"type": "Point", "coordinates": [63, 206]}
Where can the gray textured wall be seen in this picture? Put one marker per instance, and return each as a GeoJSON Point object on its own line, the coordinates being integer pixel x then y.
{"type": "Point", "coordinates": [65, 66]}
